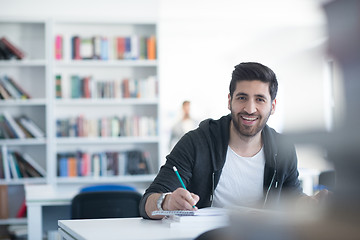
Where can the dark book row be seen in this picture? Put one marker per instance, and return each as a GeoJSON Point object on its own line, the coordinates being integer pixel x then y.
{"type": "Point", "coordinates": [103, 164]}
{"type": "Point", "coordinates": [9, 51]}
{"type": "Point", "coordinates": [18, 165]}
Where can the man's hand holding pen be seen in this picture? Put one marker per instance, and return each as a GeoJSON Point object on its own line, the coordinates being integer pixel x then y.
{"type": "Point", "coordinates": [180, 199]}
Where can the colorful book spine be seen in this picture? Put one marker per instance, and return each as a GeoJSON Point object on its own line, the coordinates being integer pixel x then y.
{"type": "Point", "coordinates": [151, 48]}
{"type": "Point", "coordinates": [76, 87]}
{"type": "Point", "coordinates": [135, 48]}
{"type": "Point", "coordinates": [127, 52]}
{"type": "Point", "coordinates": [104, 53]}
{"type": "Point", "coordinates": [63, 166]}
{"type": "Point", "coordinates": [96, 45]}
{"type": "Point", "coordinates": [75, 41]}
{"type": "Point", "coordinates": [58, 47]}
{"type": "Point", "coordinates": [72, 166]}
{"type": "Point", "coordinates": [58, 89]}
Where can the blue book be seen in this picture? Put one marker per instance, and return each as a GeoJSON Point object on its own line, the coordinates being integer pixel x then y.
{"type": "Point", "coordinates": [127, 54]}
{"type": "Point", "coordinates": [75, 86]}
{"type": "Point", "coordinates": [63, 166]}
{"type": "Point", "coordinates": [104, 49]}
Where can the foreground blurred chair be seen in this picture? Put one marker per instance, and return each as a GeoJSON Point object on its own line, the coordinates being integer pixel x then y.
{"type": "Point", "coordinates": [327, 179]}
{"type": "Point", "coordinates": [106, 201]}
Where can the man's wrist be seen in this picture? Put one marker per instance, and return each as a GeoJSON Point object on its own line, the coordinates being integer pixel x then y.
{"type": "Point", "coordinates": [161, 200]}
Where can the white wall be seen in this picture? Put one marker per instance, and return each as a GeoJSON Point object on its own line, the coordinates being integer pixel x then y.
{"type": "Point", "coordinates": [200, 41]}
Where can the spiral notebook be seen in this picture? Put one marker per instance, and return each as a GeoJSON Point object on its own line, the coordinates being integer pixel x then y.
{"type": "Point", "coordinates": [209, 211]}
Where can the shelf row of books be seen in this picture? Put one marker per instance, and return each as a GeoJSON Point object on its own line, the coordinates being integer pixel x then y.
{"type": "Point", "coordinates": [88, 87]}
{"type": "Point", "coordinates": [9, 51]}
{"type": "Point", "coordinates": [104, 48]}
{"type": "Point", "coordinates": [19, 127]}
{"type": "Point", "coordinates": [103, 164]}
{"type": "Point", "coordinates": [18, 165]}
{"type": "Point", "coordinates": [106, 126]}
{"type": "Point", "coordinates": [10, 89]}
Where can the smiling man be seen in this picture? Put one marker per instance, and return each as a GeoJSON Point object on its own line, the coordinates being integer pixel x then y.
{"type": "Point", "coordinates": [236, 160]}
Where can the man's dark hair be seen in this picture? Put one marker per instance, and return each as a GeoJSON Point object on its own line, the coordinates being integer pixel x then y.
{"type": "Point", "coordinates": [249, 71]}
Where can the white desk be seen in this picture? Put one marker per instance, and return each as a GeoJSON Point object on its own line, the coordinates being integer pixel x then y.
{"type": "Point", "coordinates": [127, 228]}
{"type": "Point", "coordinates": [39, 196]}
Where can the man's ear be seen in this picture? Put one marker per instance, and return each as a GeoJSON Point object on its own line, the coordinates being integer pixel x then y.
{"type": "Point", "coordinates": [273, 106]}
{"type": "Point", "coordinates": [229, 101]}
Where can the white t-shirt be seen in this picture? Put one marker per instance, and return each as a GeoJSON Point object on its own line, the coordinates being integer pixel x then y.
{"type": "Point", "coordinates": [241, 181]}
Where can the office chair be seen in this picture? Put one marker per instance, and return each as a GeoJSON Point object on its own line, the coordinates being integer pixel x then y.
{"type": "Point", "coordinates": [107, 187]}
{"type": "Point", "coordinates": [105, 204]}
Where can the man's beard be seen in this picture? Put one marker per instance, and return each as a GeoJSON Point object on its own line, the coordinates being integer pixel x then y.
{"type": "Point", "coordinates": [248, 131]}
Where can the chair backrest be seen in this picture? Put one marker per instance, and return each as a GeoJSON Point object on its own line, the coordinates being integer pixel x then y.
{"type": "Point", "coordinates": [105, 204]}
{"type": "Point", "coordinates": [107, 187]}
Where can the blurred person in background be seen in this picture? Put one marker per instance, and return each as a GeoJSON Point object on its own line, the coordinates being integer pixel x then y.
{"type": "Point", "coordinates": [184, 125]}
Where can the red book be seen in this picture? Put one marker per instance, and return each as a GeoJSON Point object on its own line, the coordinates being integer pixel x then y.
{"type": "Point", "coordinates": [22, 210]}
{"type": "Point", "coordinates": [126, 89]}
{"type": "Point", "coordinates": [86, 87]}
{"type": "Point", "coordinates": [75, 47]}
{"type": "Point", "coordinates": [120, 47]}
{"type": "Point", "coordinates": [86, 165]}
{"type": "Point", "coordinates": [16, 51]}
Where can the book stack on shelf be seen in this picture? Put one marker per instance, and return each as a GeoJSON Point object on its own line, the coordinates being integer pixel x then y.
{"type": "Point", "coordinates": [18, 128]}
{"type": "Point", "coordinates": [134, 47]}
{"type": "Point", "coordinates": [19, 166]}
{"type": "Point", "coordinates": [9, 51]}
{"type": "Point", "coordinates": [103, 164]}
{"type": "Point", "coordinates": [10, 89]}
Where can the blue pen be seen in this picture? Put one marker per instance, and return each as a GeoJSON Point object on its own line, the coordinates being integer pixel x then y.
{"type": "Point", "coordinates": [182, 183]}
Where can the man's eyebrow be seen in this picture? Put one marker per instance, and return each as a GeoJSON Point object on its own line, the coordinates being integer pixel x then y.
{"type": "Point", "coordinates": [261, 96]}
{"type": "Point", "coordinates": [241, 94]}
{"type": "Point", "coordinates": [245, 94]}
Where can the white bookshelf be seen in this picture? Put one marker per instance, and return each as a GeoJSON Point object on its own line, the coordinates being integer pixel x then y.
{"type": "Point", "coordinates": [31, 73]}
{"type": "Point", "coordinates": [36, 73]}
{"type": "Point", "coordinates": [91, 108]}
